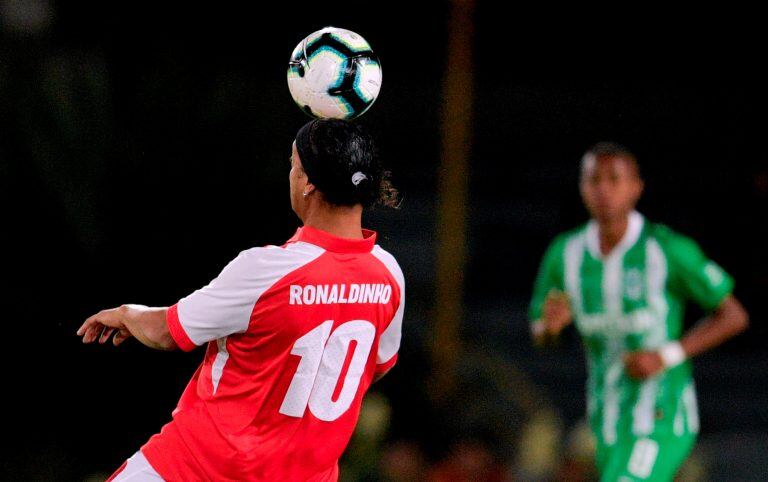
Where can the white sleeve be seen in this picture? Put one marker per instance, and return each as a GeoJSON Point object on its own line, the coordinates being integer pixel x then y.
{"type": "Point", "coordinates": [224, 307]}
{"type": "Point", "coordinates": [221, 308]}
{"type": "Point", "coordinates": [389, 341]}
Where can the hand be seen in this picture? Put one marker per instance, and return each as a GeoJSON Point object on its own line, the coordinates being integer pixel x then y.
{"type": "Point", "coordinates": [556, 312]}
{"type": "Point", "coordinates": [642, 365]}
{"type": "Point", "coordinates": [102, 325]}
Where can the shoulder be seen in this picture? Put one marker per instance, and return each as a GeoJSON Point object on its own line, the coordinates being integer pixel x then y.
{"type": "Point", "coordinates": [570, 234]}
{"type": "Point", "coordinates": [671, 241]}
{"type": "Point", "coordinates": [280, 258]}
{"type": "Point", "coordinates": [389, 262]}
{"type": "Point", "coordinates": [681, 252]}
{"type": "Point", "coordinates": [560, 241]}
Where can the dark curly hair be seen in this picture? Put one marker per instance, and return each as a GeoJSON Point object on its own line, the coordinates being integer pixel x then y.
{"type": "Point", "coordinates": [342, 161]}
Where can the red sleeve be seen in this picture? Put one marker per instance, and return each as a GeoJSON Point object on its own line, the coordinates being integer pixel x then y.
{"type": "Point", "coordinates": [177, 331]}
{"type": "Point", "coordinates": [385, 367]}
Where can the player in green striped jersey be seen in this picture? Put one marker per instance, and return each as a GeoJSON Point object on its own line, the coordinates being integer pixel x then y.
{"type": "Point", "coordinates": [624, 282]}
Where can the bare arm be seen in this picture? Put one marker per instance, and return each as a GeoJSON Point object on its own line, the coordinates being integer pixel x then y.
{"type": "Point", "coordinates": [728, 320]}
{"type": "Point", "coordinates": [148, 325]}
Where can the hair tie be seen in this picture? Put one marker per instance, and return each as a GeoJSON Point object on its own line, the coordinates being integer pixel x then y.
{"type": "Point", "coordinates": [358, 177]}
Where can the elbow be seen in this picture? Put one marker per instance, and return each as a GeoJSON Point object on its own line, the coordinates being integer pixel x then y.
{"type": "Point", "coordinates": [739, 317]}
{"type": "Point", "coordinates": [742, 321]}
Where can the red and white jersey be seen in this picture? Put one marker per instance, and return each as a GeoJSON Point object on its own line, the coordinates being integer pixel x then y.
{"type": "Point", "coordinates": [296, 335]}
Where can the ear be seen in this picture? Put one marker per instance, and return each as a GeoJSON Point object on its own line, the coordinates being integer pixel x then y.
{"type": "Point", "coordinates": [640, 187]}
{"type": "Point", "coordinates": [309, 188]}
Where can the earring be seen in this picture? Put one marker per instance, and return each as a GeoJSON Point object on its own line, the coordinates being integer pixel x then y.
{"type": "Point", "coordinates": [305, 193]}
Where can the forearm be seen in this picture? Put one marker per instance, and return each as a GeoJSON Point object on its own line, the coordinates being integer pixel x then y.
{"type": "Point", "coordinates": [148, 325]}
{"type": "Point", "coordinates": [728, 320]}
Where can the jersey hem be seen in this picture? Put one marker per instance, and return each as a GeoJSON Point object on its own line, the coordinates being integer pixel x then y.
{"type": "Point", "coordinates": [387, 365]}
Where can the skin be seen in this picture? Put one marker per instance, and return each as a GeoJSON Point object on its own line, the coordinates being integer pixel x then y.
{"type": "Point", "coordinates": [146, 324]}
{"type": "Point", "coordinates": [149, 326]}
{"type": "Point", "coordinates": [610, 188]}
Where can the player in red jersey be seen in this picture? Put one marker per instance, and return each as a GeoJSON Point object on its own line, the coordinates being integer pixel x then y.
{"type": "Point", "coordinates": [295, 334]}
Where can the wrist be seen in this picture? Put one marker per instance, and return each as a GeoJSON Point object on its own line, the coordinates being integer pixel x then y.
{"type": "Point", "coordinates": [126, 313]}
{"type": "Point", "coordinates": [672, 354]}
{"type": "Point", "coordinates": [130, 313]}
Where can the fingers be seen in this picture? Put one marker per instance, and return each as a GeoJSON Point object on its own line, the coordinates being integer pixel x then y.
{"type": "Point", "coordinates": [556, 320]}
{"type": "Point", "coordinates": [86, 324]}
{"type": "Point", "coordinates": [640, 365]}
{"type": "Point", "coordinates": [105, 334]}
{"type": "Point", "coordinates": [92, 332]}
{"type": "Point", "coordinates": [637, 373]}
{"type": "Point", "coordinates": [90, 322]}
{"type": "Point", "coordinates": [101, 326]}
{"type": "Point", "coordinates": [120, 337]}
{"type": "Point", "coordinates": [633, 370]}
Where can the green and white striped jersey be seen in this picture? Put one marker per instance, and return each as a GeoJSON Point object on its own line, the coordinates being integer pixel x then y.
{"type": "Point", "coordinates": [632, 299]}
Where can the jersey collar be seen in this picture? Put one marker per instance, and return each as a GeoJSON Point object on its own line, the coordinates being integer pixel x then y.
{"type": "Point", "coordinates": [634, 228]}
{"type": "Point", "coordinates": [333, 243]}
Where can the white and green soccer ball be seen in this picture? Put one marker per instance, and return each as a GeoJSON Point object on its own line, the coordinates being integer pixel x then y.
{"type": "Point", "coordinates": [333, 73]}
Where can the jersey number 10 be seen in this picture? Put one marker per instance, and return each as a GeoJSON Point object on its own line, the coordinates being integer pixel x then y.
{"type": "Point", "coordinates": [322, 359]}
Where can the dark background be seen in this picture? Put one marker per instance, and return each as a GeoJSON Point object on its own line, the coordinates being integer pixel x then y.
{"type": "Point", "coordinates": [141, 148]}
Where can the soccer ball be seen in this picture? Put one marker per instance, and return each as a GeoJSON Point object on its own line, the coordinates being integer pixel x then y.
{"type": "Point", "coordinates": [333, 73]}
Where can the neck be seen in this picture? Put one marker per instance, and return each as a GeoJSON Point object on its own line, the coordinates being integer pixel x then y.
{"type": "Point", "coordinates": [611, 232]}
{"type": "Point", "coordinates": [340, 221]}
